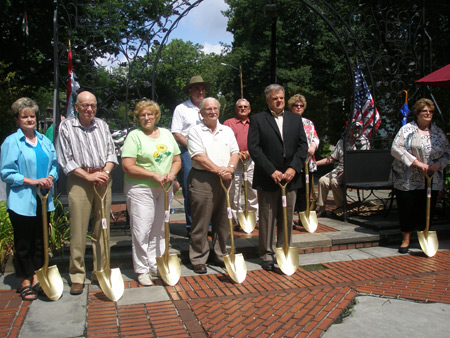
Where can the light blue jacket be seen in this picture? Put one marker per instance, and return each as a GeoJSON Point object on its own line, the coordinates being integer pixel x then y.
{"type": "Point", "coordinates": [18, 160]}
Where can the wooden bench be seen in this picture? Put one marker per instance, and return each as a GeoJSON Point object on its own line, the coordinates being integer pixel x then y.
{"type": "Point", "coordinates": [367, 170]}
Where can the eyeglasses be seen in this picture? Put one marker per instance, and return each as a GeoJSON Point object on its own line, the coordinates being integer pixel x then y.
{"type": "Point", "coordinates": [149, 115]}
{"type": "Point", "coordinates": [87, 105]}
{"type": "Point", "coordinates": [211, 109]}
{"type": "Point", "coordinates": [242, 107]}
{"type": "Point", "coordinates": [298, 105]}
{"type": "Point", "coordinates": [427, 111]}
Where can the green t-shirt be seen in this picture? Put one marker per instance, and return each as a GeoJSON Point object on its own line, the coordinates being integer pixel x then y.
{"type": "Point", "coordinates": [153, 154]}
{"type": "Point", "coordinates": [49, 133]}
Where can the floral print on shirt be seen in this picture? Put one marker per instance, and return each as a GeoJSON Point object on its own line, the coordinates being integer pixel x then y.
{"type": "Point", "coordinates": [410, 145]}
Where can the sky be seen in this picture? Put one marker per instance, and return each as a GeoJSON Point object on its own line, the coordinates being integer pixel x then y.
{"type": "Point", "coordinates": [205, 25]}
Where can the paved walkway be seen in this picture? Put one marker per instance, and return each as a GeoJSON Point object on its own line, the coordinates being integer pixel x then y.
{"type": "Point", "coordinates": [347, 286]}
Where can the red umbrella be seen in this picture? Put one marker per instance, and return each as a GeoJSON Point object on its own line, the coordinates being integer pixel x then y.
{"type": "Point", "coordinates": [439, 78]}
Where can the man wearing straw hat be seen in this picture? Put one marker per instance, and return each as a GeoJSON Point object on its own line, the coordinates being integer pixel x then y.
{"type": "Point", "coordinates": [278, 146]}
{"type": "Point", "coordinates": [185, 116]}
{"type": "Point", "coordinates": [87, 155]}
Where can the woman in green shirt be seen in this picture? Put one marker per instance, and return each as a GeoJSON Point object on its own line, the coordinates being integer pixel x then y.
{"type": "Point", "coordinates": [150, 158]}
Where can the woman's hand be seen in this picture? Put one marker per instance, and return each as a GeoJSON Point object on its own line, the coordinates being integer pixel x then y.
{"type": "Point", "coordinates": [44, 183]}
{"type": "Point", "coordinates": [160, 178]}
{"type": "Point", "coordinates": [312, 149]}
{"type": "Point", "coordinates": [169, 177]}
{"type": "Point", "coordinates": [434, 167]}
{"type": "Point", "coordinates": [422, 166]}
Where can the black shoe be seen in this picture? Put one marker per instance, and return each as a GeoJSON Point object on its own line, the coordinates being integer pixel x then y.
{"type": "Point", "coordinates": [403, 250]}
{"type": "Point", "coordinates": [267, 265]}
{"type": "Point", "coordinates": [219, 263]}
{"type": "Point", "coordinates": [199, 268]}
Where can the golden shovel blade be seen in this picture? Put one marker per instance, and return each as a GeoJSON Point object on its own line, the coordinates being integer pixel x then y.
{"type": "Point", "coordinates": [170, 272]}
{"type": "Point", "coordinates": [309, 223]}
{"type": "Point", "coordinates": [287, 261]}
{"type": "Point", "coordinates": [429, 243]}
{"type": "Point", "coordinates": [247, 223]}
{"type": "Point", "coordinates": [236, 268]}
{"type": "Point", "coordinates": [51, 282]}
{"type": "Point", "coordinates": [111, 283]}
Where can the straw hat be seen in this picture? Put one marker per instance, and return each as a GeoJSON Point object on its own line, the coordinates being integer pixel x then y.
{"type": "Point", "coordinates": [197, 79]}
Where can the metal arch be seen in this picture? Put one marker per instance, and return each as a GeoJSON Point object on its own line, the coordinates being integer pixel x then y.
{"type": "Point", "coordinates": [391, 57]}
{"type": "Point", "coordinates": [379, 20]}
{"type": "Point", "coordinates": [164, 40]}
{"type": "Point", "coordinates": [67, 16]}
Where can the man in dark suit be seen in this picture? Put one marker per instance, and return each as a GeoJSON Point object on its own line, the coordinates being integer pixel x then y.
{"type": "Point", "coordinates": [278, 146]}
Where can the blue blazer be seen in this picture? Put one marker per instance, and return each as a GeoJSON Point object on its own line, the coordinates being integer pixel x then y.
{"type": "Point", "coordinates": [18, 160]}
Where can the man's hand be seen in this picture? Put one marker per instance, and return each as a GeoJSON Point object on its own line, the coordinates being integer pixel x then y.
{"type": "Point", "coordinates": [288, 175]}
{"type": "Point", "coordinates": [277, 176]}
{"type": "Point", "coordinates": [243, 155]}
{"type": "Point", "coordinates": [100, 178]}
{"type": "Point", "coordinates": [226, 173]}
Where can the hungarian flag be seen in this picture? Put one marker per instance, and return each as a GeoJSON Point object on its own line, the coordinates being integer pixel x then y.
{"type": "Point", "coordinates": [365, 110]}
{"type": "Point", "coordinates": [72, 87]}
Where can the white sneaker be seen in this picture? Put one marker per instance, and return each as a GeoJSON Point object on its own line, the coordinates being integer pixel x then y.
{"type": "Point", "coordinates": [154, 272]}
{"type": "Point", "coordinates": [144, 279]}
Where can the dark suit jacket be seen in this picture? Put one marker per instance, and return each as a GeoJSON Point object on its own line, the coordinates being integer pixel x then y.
{"type": "Point", "coordinates": [267, 148]}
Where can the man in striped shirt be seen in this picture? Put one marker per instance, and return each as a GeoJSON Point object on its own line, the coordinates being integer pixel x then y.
{"type": "Point", "coordinates": [86, 154]}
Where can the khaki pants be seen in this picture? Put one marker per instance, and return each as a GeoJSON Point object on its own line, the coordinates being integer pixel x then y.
{"type": "Point", "coordinates": [327, 182]}
{"type": "Point", "coordinates": [83, 201]}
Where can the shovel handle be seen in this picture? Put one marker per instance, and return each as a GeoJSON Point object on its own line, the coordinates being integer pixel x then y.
{"type": "Point", "coordinates": [428, 207]}
{"type": "Point", "coordinates": [166, 220]}
{"type": "Point", "coordinates": [43, 198]}
{"type": "Point", "coordinates": [230, 223]}
{"type": "Point", "coordinates": [104, 227]}
{"type": "Point", "coordinates": [285, 226]}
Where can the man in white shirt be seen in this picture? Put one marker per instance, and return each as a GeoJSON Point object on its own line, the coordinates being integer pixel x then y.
{"type": "Point", "coordinates": [185, 116]}
{"type": "Point", "coordinates": [215, 153]}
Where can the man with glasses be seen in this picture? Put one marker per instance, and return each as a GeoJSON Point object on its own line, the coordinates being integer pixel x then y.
{"type": "Point", "coordinates": [214, 153]}
{"type": "Point", "coordinates": [86, 154]}
{"type": "Point", "coordinates": [240, 125]}
{"type": "Point", "coordinates": [185, 116]}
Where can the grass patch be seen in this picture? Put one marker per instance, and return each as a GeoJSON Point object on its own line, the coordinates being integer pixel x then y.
{"type": "Point", "coordinates": [313, 267]}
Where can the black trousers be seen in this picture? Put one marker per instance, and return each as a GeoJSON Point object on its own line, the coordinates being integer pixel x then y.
{"type": "Point", "coordinates": [28, 242]}
{"type": "Point", "coordinates": [412, 208]}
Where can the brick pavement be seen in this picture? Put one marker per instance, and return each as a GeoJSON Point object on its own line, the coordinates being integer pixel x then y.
{"type": "Point", "coordinates": [267, 304]}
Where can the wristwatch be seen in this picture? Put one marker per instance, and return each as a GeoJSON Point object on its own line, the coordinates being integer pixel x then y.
{"type": "Point", "coordinates": [231, 166]}
{"type": "Point", "coordinates": [108, 172]}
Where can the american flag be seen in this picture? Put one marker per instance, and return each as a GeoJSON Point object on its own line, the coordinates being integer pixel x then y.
{"type": "Point", "coordinates": [365, 110]}
{"type": "Point", "coordinates": [72, 86]}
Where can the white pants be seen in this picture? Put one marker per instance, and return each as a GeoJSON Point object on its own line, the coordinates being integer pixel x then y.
{"type": "Point", "coordinates": [235, 190]}
{"type": "Point", "coordinates": [146, 209]}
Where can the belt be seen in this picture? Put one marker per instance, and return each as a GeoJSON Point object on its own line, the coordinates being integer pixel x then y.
{"type": "Point", "coordinates": [92, 170]}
